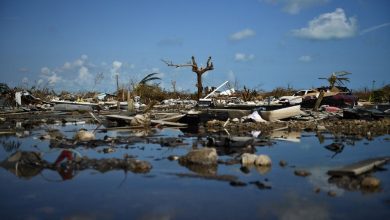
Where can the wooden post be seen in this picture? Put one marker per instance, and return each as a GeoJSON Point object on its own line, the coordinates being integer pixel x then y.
{"type": "Point", "coordinates": [117, 92]}
{"type": "Point", "coordinates": [130, 103]}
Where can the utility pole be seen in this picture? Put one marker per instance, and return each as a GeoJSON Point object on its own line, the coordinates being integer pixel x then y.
{"type": "Point", "coordinates": [372, 90]}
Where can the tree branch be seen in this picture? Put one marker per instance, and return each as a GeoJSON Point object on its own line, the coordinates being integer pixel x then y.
{"type": "Point", "coordinates": [208, 67]}
{"type": "Point", "coordinates": [176, 65]}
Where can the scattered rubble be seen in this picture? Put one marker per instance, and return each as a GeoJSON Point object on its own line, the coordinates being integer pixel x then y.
{"type": "Point", "coordinates": [84, 135]}
{"type": "Point", "coordinates": [263, 160]}
{"type": "Point", "coordinates": [364, 183]}
{"type": "Point", "coordinates": [370, 183]}
{"type": "Point", "coordinates": [253, 159]}
{"type": "Point", "coordinates": [204, 156]}
{"type": "Point", "coordinates": [282, 163]}
{"type": "Point", "coordinates": [248, 159]}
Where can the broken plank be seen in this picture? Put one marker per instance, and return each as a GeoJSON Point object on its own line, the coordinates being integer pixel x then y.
{"type": "Point", "coordinates": [360, 167]}
{"type": "Point", "coordinates": [129, 128]}
{"type": "Point", "coordinates": [162, 122]}
{"type": "Point", "coordinates": [7, 132]}
{"type": "Point", "coordinates": [120, 117]}
{"type": "Point", "coordinates": [96, 119]}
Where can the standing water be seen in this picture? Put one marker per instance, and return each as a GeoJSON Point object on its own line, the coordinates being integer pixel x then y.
{"type": "Point", "coordinates": [172, 191]}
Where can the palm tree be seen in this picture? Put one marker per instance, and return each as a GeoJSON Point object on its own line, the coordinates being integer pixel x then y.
{"type": "Point", "coordinates": [336, 78]}
{"type": "Point", "coordinates": [148, 78]}
{"type": "Point", "coordinates": [142, 86]}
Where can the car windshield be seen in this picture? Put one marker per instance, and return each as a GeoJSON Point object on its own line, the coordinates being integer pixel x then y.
{"type": "Point", "coordinates": [299, 93]}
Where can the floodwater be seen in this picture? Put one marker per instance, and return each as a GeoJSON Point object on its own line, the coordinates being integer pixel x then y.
{"type": "Point", "coordinates": [172, 191]}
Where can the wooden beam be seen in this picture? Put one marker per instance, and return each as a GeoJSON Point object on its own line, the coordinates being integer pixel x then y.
{"type": "Point", "coordinates": [360, 167]}
{"type": "Point", "coordinates": [162, 122]}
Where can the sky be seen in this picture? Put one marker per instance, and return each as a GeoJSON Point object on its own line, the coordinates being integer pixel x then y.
{"type": "Point", "coordinates": [260, 44]}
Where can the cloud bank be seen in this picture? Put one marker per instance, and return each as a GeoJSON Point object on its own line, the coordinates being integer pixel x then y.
{"type": "Point", "coordinates": [296, 6]}
{"type": "Point", "coordinates": [333, 25]}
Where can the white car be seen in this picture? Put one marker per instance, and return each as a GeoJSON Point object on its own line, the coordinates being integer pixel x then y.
{"type": "Point", "coordinates": [297, 97]}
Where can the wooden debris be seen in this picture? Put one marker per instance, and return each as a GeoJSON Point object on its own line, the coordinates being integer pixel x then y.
{"type": "Point", "coordinates": [302, 173]}
{"type": "Point", "coordinates": [358, 168]}
{"type": "Point", "coordinates": [162, 122]}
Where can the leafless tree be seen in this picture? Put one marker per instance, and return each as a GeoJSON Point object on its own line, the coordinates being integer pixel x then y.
{"type": "Point", "coordinates": [196, 69]}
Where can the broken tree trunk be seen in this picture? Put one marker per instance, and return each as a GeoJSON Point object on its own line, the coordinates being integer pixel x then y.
{"type": "Point", "coordinates": [319, 100]}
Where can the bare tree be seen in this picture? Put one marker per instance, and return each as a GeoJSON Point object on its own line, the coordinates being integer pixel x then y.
{"type": "Point", "coordinates": [198, 70]}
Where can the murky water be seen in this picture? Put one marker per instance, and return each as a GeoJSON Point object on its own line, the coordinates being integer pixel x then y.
{"type": "Point", "coordinates": [171, 191]}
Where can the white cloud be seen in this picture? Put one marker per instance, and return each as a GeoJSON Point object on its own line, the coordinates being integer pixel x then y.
{"type": "Point", "coordinates": [305, 58]}
{"type": "Point", "coordinates": [243, 57]}
{"type": "Point", "coordinates": [50, 76]}
{"type": "Point", "coordinates": [296, 6]}
{"type": "Point", "coordinates": [365, 31]}
{"type": "Point", "coordinates": [334, 25]}
{"type": "Point", "coordinates": [53, 79]}
{"type": "Point", "coordinates": [67, 66]}
{"type": "Point", "coordinates": [45, 70]}
{"type": "Point", "coordinates": [84, 74]}
{"type": "Point", "coordinates": [75, 64]}
{"type": "Point", "coordinates": [78, 62]}
{"type": "Point", "coordinates": [243, 34]}
{"type": "Point", "coordinates": [116, 66]}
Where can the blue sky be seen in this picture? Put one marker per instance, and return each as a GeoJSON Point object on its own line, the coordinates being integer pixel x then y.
{"type": "Point", "coordinates": [258, 43]}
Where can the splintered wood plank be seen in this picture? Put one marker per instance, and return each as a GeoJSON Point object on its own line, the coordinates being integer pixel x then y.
{"type": "Point", "coordinates": [119, 117]}
{"type": "Point", "coordinates": [168, 123]}
{"type": "Point", "coordinates": [162, 122]}
{"type": "Point", "coordinates": [360, 167]}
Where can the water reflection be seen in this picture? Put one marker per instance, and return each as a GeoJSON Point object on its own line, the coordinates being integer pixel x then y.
{"type": "Point", "coordinates": [294, 207]}
{"type": "Point", "coordinates": [63, 163]}
{"type": "Point", "coordinates": [336, 148]}
{"type": "Point", "coordinates": [27, 164]}
{"type": "Point", "coordinates": [285, 135]}
{"type": "Point", "coordinates": [23, 164]}
{"type": "Point", "coordinates": [10, 145]}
